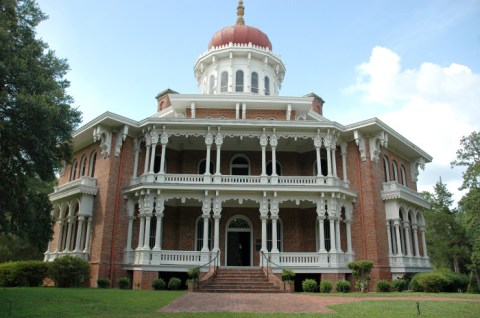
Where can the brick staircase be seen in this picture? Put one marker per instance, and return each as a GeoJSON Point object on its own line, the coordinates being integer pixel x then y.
{"type": "Point", "coordinates": [240, 280]}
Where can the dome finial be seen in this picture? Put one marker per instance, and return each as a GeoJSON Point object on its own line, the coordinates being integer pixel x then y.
{"type": "Point", "coordinates": [240, 12]}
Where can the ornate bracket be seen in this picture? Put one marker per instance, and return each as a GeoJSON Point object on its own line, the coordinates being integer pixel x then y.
{"type": "Point", "coordinates": [121, 136]}
{"type": "Point", "coordinates": [381, 139]}
{"type": "Point", "coordinates": [360, 141]}
{"type": "Point", "coordinates": [420, 162]}
{"type": "Point", "coordinates": [105, 137]}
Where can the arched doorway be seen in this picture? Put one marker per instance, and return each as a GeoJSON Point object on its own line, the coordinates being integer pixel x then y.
{"type": "Point", "coordinates": [238, 243]}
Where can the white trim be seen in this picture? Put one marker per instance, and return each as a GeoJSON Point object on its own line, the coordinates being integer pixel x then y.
{"type": "Point", "coordinates": [227, 224]}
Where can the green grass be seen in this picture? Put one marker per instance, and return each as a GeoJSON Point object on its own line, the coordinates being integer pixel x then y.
{"type": "Point", "coordinates": [83, 302]}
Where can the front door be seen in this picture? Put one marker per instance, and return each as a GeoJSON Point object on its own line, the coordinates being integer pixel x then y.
{"type": "Point", "coordinates": [238, 243]}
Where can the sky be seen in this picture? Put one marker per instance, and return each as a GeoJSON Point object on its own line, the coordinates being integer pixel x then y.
{"type": "Point", "coordinates": [414, 64]}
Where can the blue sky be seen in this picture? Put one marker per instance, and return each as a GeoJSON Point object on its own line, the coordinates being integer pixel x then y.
{"type": "Point", "coordinates": [415, 64]}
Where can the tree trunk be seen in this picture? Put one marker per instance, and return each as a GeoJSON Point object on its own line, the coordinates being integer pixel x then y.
{"type": "Point", "coordinates": [477, 274]}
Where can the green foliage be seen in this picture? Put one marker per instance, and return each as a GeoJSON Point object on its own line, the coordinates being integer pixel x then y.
{"type": "Point", "coordinates": [399, 285]}
{"type": "Point", "coordinates": [473, 285]}
{"type": "Point", "coordinates": [103, 282]}
{"type": "Point", "coordinates": [69, 271]}
{"type": "Point", "coordinates": [343, 286]}
{"type": "Point", "coordinates": [174, 283]}
{"type": "Point", "coordinates": [469, 156]}
{"type": "Point", "coordinates": [361, 271]}
{"type": "Point", "coordinates": [384, 286]}
{"type": "Point", "coordinates": [415, 284]}
{"type": "Point", "coordinates": [124, 283]}
{"type": "Point", "coordinates": [159, 284]}
{"type": "Point", "coordinates": [432, 282]}
{"type": "Point", "coordinates": [326, 286]}
{"type": "Point", "coordinates": [309, 285]}
{"type": "Point", "coordinates": [455, 282]}
{"type": "Point", "coordinates": [23, 273]}
{"type": "Point", "coordinates": [288, 275]}
{"type": "Point", "coordinates": [18, 248]}
{"type": "Point", "coordinates": [194, 273]}
{"type": "Point", "coordinates": [36, 123]}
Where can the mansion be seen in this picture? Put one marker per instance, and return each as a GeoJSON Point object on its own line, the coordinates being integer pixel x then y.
{"type": "Point", "coordinates": [238, 174]}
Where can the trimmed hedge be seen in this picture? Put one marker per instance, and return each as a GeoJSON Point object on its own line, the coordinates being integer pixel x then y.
{"type": "Point", "coordinates": [159, 284]}
{"type": "Point", "coordinates": [124, 283]}
{"type": "Point", "coordinates": [23, 273]}
{"type": "Point", "coordinates": [399, 285]}
{"type": "Point", "coordinates": [69, 271]}
{"type": "Point", "coordinates": [383, 286]}
{"type": "Point", "coordinates": [326, 286]}
{"type": "Point", "coordinates": [174, 283]}
{"type": "Point", "coordinates": [103, 282]}
{"type": "Point", "coordinates": [343, 286]}
{"type": "Point", "coordinates": [439, 281]}
{"type": "Point", "coordinates": [309, 285]}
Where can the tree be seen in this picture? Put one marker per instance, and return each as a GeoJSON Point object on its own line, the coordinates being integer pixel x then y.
{"type": "Point", "coordinates": [36, 123]}
{"type": "Point", "coordinates": [469, 156]}
{"type": "Point", "coordinates": [447, 239]}
{"type": "Point", "coordinates": [361, 271]}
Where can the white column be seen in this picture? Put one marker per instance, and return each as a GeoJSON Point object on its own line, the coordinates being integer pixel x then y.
{"type": "Point", "coordinates": [263, 144]}
{"type": "Point", "coordinates": [424, 243]}
{"type": "Point", "coordinates": [397, 237]}
{"type": "Point", "coordinates": [141, 232]}
{"type": "Point", "coordinates": [131, 218]}
{"type": "Point", "coordinates": [152, 157]}
{"type": "Point", "coordinates": [273, 144]}
{"type": "Point", "coordinates": [321, 234]}
{"type": "Point", "coordinates": [334, 162]}
{"type": "Point", "coordinates": [317, 141]}
{"type": "Point", "coordinates": [349, 236]}
{"type": "Point", "coordinates": [337, 232]}
{"type": "Point", "coordinates": [205, 232]}
{"type": "Point", "coordinates": [406, 227]}
{"type": "Point", "coordinates": [344, 162]}
{"type": "Point", "coordinates": [79, 233]}
{"type": "Point", "coordinates": [389, 238]}
{"type": "Point", "coordinates": [216, 234]}
{"type": "Point", "coordinates": [329, 162]}
{"type": "Point", "coordinates": [162, 162]}
{"type": "Point", "coordinates": [264, 233]}
{"type": "Point", "coordinates": [208, 143]}
{"type": "Point", "coordinates": [61, 221]}
{"type": "Point", "coordinates": [159, 208]}
{"type": "Point", "coordinates": [146, 240]}
{"type": "Point", "coordinates": [69, 234]}
{"type": "Point", "coordinates": [135, 163]}
{"type": "Point", "coordinates": [218, 143]}
{"type": "Point", "coordinates": [87, 236]}
{"type": "Point", "coordinates": [147, 155]}
{"type": "Point", "coordinates": [333, 243]}
{"type": "Point", "coordinates": [274, 234]}
{"type": "Point", "coordinates": [415, 240]}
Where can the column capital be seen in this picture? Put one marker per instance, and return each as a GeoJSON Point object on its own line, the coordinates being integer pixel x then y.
{"type": "Point", "coordinates": [208, 138]}
{"type": "Point", "coordinates": [219, 138]}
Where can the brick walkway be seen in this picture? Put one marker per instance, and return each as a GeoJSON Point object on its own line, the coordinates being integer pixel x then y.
{"type": "Point", "coordinates": [298, 303]}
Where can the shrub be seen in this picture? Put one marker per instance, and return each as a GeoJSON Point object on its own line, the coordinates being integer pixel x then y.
{"type": "Point", "coordinates": [399, 285]}
{"type": "Point", "coordinates": [124, 283]}
{"type": "Point", "coordinates": [309, 285]}
{"type": "Point", "coordinates": [103, 282]}
{"type": "Point", "coordinates": [383, 286]}
{"type": "Point", "coordinates": [361, 272]}
{"type": "Point", "coordinates": [343, 286]}
{"type": "Point", "coordinates": [288, 275]}
{"type": "Point", "coordinates": [23, 273]}
{"type": "Point", "coordinates": [472, 285]}
{"type": "Point", "coordinates": [174, 283]}
{"type": "Point", "coordinates": [69, 271]}
{"type": "Point", "coordinates": [414, 283]}
{"type": "Point", "coordinates": [193, 273]}
{"type": "Point", "coordinates": [456, 282]}
{"type": "Point", "coordinates": [159, 284]}
{"type": "Point", "coordinates": [432, 282]}
{"type": "Point", "coordinates": [326, 286]}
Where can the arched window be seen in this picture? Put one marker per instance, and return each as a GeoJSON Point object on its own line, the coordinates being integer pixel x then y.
{"type": "Point", "coordinates": [212, 84]}
{"type": "Point", "coordinates": [224, 82]}
{"type": "Point", "coordinates": [240, 166]}
{"type": "Point", "coordinates": [73, 233]}
{"type": "Point", "coordinates": [278, 168]}
{"type": "Point", "coordinates": [73, 170]}
{"type": "Point", "coordinates": [279, 235]}
{"type": "Point", "coordinates": [199, 236]}
{"type": "Point", "coordinates": [395, 170]}
{"type": "Point", "coordinates": [202, 167]}
{"type": "Point", "coordinates": [403, 175]}
{"type": "Point", "coordinates": [386, 169]}
{"type": "Point", "coordinates": [255, 82]}
{"type": "Point", "coordinates": [239, 81]}
{"type": "Point", "coordinates": [83, 166]}
{"type": "Point", "coordinates": [267, 85]}
{"type": "Point", "coordinates": [93, 160]}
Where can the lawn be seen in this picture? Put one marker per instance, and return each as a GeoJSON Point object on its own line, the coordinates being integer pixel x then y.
{"type": "Point", "coordinates": [83, 302]}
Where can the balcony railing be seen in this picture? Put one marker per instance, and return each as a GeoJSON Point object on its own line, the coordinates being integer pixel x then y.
{"type": "Point", "coordinates": [50, 256]}
{"type": "Point", "coordinates": [192, 179]}
{"type": "Point", "coordinates": [409, 261]}
{"type": "Point", "coordinates": [82, 185]}
{"type": "Point", "coordinates": [394, 190]}
{"type": "Point", "coordinates": [323, 260]}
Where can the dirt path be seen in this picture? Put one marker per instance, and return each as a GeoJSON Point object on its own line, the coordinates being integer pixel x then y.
{"type": "Point", "coordinates": [218, 302]}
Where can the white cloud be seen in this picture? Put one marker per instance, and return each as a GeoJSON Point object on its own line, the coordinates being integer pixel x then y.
{"type": "Point", "coordinates": [433, 106]}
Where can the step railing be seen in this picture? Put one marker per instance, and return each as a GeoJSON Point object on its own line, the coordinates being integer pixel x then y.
{"type": "Point", "coordinates": [268, 269]}
{"type": "Point", "coordinates": [215, 261]}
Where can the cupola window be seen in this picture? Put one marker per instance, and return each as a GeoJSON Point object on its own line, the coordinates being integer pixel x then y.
{"type": "Point", "coordinates": [224, 82]}
{"type": "Point", "coordinates": [239, 81]}
{"type": "Point", "coordinates": [267, 85]}
{"type": "Point", "coordinates": [255, 82]}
